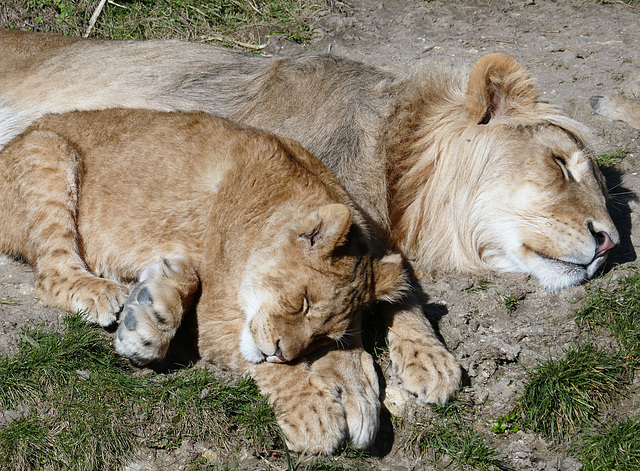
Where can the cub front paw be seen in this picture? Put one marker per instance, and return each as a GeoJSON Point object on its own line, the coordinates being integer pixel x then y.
{"type": "Point", "coordinates": [314, 421]}
{"type": "Point", "coordinates": [331, 400]}
{"type": "Point", "coordinates": [426, 370]}
{"type": "Point", "coordinates": [145, 329]}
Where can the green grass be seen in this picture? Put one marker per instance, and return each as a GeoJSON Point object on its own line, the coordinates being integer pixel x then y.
{"type": "Point", "coordinates": [448, 443]}
{"type": "Point", "coordinates": [447, 439]}
{"type": "Point", "coordinates": [611, 159]}
{"type": "Point", "coordinates": [614, 447]}
{"type": "Point", "coordinates": [565, 394]}
{"type": "Point", "coordinates": [8, 300]}
{"type": "Point", "coordinates": [564, 399]}
{"type": "Point", "coordinates": [247, 22]}
{"type": "Point", "coordinates": [616, 309]}
{"type": "Point", "coordinates": [510, 301]}
{"type": "Point", "coordinates": [87, 410]}
{"type": "Point", "coordinates": [479, 287]}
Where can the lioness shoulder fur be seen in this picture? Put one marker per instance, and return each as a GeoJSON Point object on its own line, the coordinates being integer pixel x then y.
{"type": "Point", "coordinates": [250, 232]}
{"type": "Point", "coordinates": [530, 198]}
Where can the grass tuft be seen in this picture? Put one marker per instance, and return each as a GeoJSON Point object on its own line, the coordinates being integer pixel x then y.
{"type": "Point", "coordinates": [562, 395]}
{"type": "Point", "coordinates": [79, 406]}
{"type": "Point", "coordinates": [615, 447]}
{"type": "Point", "coordinates": [617, 310]}
{"type": "Point", "coordinates": [447, 443]}
{"type": "Point", "coordinates": [611, 159]}
{"type": "Point", "coordinates": [232, 21]}
{"type": "Point", "coordinates": [510, 301]}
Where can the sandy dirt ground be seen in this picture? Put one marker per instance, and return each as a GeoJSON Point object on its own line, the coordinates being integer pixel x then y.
{"type": "Point", "coordinates": [574, 50]}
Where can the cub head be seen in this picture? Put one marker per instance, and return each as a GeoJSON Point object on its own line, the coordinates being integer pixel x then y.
{"type": "Point", "coordinates": [308, 286]}
{"type": "Point", "coordinates": [513, 186]}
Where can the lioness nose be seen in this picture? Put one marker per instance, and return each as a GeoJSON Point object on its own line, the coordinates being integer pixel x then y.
{"type": "Point", "coordinates": [603, 243]}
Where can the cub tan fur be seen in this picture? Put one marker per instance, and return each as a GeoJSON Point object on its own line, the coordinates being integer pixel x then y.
{"type": "Point", "coordinates": [251, 232]}
{"type": "Point", "coordinates": [463, 172]}
{"type": "Point", "coordinates": [618, 108]}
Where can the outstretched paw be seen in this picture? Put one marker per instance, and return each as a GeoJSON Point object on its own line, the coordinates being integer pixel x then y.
{"type": "Point", "coordinates": [426, 369]}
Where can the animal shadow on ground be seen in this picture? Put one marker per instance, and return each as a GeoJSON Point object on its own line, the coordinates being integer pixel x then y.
{"type": "Point", "coordinates": [620, 211]}
{"type": "Point", "coordinates": [374, 339]}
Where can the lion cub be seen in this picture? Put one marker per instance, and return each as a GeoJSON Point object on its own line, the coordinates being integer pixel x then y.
{"type": "Point", "coordinates": [250, 231]}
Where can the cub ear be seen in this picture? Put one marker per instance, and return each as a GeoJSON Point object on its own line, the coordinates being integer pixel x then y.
{"type": "Point", "coordinates": [390, 278]}
{"type": "Point", "coordinates": [325, 228]}
{"type": "Point", "coordinates": [498, 86]}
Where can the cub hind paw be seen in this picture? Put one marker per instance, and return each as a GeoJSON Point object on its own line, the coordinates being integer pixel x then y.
{"type": "Point", "coordinates": [330, 415]}
{"type": "Point", "coordinates": [143, 334]}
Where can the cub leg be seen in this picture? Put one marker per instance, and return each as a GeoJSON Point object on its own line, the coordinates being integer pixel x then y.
{"type": "Point", "coordinates": [418, 358]}
{"type": "Point", "coordinates": [154, 310]}
{"type": "Point", "coordinates": [324, 399]}
{"type": "Point", "coordinates": [41, 226]}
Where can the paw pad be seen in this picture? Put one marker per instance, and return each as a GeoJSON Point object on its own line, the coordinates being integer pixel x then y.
{"type": "Point", "coordinates": [139, 337]}
{"type": "Point", "coordinates": [144, 296]}
{"type": "Point", "coordinates": [129, 320]}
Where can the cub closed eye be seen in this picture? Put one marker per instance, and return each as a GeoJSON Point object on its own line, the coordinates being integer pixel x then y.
{"type": "Point", "coordinates": [562, 163]}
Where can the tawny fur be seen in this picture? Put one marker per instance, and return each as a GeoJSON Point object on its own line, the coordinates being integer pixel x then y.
{"type": "Point", "coordinates": [251, 232]}
{"type": "Point", "coordinates": [432, 157]}
{"type": "Point", "coordinates": [618, 108]}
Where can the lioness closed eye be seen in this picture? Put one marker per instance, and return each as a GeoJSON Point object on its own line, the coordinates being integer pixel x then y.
{"type": "Point", "coordinates": [251, 232]}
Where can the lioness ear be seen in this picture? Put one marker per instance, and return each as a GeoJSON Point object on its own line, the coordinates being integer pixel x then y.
{"type": "Point", "coordinates": [498, 85]}
{"type": "Point", "coordinates": [325, 228]}
{"type": "Point", "coordinates": [390, 278]}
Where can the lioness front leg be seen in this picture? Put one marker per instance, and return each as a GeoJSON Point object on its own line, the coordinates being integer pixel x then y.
{"type": "Point", "coordinates": [155, 308]}
{"type": "Point", "coordinates": [418, 357]}
{"type": "Point", "coordinates": [323, 400]}
{"type": "Point", "coordinates": [40, 203]}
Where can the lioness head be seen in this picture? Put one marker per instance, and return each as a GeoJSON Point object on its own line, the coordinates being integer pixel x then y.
{"type": "Point", "coordinates": [550, 211]}
{"type": "Point", "coordinates": [511, 184]}
{"type": "Point", "coordinates": [308, 287]}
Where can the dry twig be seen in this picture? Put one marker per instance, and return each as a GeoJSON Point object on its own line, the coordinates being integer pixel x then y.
{"type": "Point", "coordinates": [94, 17]}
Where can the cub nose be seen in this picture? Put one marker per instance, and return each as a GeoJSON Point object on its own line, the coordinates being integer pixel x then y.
{"type": "Point", "coordinates": [277, 356]}
{"type": "Point", "coordinates": [603, 243]}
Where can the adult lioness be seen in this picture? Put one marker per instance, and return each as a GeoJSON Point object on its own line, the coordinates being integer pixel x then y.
{"type": "Point", "coordinates": [463, 173]}
{"type": "Point", "coordinates": [253, 232]}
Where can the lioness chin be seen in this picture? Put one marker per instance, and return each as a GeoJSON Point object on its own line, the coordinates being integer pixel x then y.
{"type": "Point", "coordinates": [463, 172]}
{"type": "Point", "coordinates": [251, 234]}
